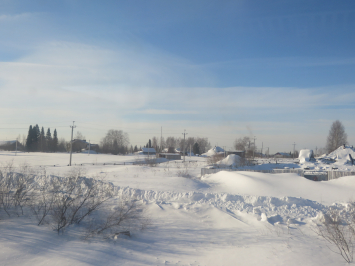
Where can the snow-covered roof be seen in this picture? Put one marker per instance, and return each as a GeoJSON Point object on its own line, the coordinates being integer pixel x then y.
{"type": "Point", "coordinates": [282, 153]}
{"type": "Point", "coordinates": [213, 151]}
{"type": "Point", "coordinates": [231, 159]}
{"type": "Point", "coordinates": [7, 142]}
{"type": "Point", "coordinates": [148, 150]}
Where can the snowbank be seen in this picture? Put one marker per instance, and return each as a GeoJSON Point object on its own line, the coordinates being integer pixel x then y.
{"type": "Point", "coordinates": [213, 151]}
{"type": "Point", "coordinates": [281, 185]}
{"type": "Point", "coordinates": [342, 155]}
{"type": "Point", "coordinates": [231, 160]}
{"type": "Point", "coordinates": [305, 155]}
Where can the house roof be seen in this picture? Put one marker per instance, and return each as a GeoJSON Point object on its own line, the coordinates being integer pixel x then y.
{"type": "Point", "coordinates": [148, 150]}
{"type": "Point", "coordinates": [282, 153]}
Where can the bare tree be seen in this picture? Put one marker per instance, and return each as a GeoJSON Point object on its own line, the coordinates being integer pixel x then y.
{"type": "Point", "coordinates": [115, 141]}
{"type": "Point", "coordinates": [155, 143]}
{"type": "Point", "coordinates": [245, 144]}
{"type": "Point", "coordinates": [174, 142]}
{"type": "Point", "coordinates": [171, 142]}
{"type": "Point", "coordinates": [242, 143]}
{"type": "Point", "coordinates": [203, 144]}
{"type": "Point", "coordinates": [336, 136]}
{"type": "Point", "coordinates": [79, 135]}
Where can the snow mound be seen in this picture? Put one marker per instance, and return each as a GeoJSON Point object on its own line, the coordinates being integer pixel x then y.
{"type": "Point", "coordinates": [280, 185]}
{"type": "Point", "coordinates": [213, 151]}
{"type": "Point", "coordinates": [305, 155]}
{"type": "Point", "coordinates": [231, 160]}
{"type": "Point", "coordinates": [343, 155]}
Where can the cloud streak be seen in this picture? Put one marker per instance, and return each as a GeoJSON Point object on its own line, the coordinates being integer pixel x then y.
{"type": "Point", "coordinates": [125, 88]}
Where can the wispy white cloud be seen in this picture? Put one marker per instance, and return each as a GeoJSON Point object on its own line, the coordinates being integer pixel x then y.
{"type": "Point", "coordinates": [16, 17]}
{"type": "Point", "coordinates": [130, 88]}
{"type": "Point", "coordinates": [166, 112]}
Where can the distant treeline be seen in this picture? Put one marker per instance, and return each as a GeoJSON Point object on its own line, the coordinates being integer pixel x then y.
{"type": "Point", "coordinates": [37, 140]}
{"type": "Point", "coordinates": [114, 142]}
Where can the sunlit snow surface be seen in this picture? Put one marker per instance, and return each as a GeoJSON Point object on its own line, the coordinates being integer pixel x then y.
{"type": "Point", "coordinates": [228, 218]}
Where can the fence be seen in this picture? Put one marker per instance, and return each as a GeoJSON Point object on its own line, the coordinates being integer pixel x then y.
{"type": "Point", "coordinates": [206, 171]}
{"type": "Point", "coordinates": [337, 174]}
{"type": "Point", "coordinates": [137, 162]}
{"type": "Point", "coordinates": [312, 175]}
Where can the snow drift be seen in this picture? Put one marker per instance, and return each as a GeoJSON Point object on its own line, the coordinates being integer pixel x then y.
{"type": "Point", "coordinates": [305, 155]}
{"type": "Point", "coordinates": [231, 160]}
{"type": "Point", "coordinates": [343, 155]}
{"type": "Point", "coordinates": [214, 151]}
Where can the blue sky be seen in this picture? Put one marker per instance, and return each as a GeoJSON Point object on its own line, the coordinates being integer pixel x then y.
{"type": "Point", "coordinates": [282, 71]}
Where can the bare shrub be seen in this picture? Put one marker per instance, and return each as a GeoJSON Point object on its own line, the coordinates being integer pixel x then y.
{"type": "Point", "coordinates": [245, 162]}
{"type": "Point", "coordinates": [64, 201]}
{"type": "Point", "coordinates": [183, 172]}
{"type": "Point", "coordinates": [15, 189]}
{"type": "Point", "coordinates": [69, 200]}
{"type": "Point", "coordinates": [151, 162]}
{"type": "Point", "coordinates": [339, 233]}
{"type": "Point", "coordinates": [118, 220]}
{"type": "Point", "coordinates": [215, 158]}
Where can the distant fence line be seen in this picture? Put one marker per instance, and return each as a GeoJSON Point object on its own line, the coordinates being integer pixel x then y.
{"type": "Point", "coordinates": [142, 162]}
{"type": "Point", "coordinates": [309, 174]}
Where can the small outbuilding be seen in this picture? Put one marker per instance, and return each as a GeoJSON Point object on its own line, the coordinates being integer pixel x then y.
{"type": "Point", "coordinates": [170, 156]}
{"type": "Point", "coordinates": [282, 155]}
{"type": "Point", "coordinates": [149, 151]}
{"type": "Point", "coordinates": [239, 153]}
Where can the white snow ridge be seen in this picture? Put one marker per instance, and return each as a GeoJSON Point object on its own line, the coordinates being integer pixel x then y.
{"type": "Point", "coordinates": [229, 218]}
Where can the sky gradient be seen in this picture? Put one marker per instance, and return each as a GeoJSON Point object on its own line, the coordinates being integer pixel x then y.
{"type": "Point", "coordinates": [281, 71]}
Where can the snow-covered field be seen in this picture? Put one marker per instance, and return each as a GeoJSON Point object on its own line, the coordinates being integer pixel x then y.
{"type": "Point", "coordinates": [227, 218]}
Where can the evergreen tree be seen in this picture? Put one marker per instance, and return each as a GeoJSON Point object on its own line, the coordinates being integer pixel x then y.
{"type": "Point", "coordinates": [196, 149]}
{"type": "Point", "coordinates": [55, 141]}
{"type": "Point", "coordinates": [29, 139]}
{"type": "Point", "coordinates": [150, 143]}
{"type": "Point", "coordinates": [49, 140]}
{"type": "Point", "coordinates": [42, 141]}
{"type": "Point", "coordinates": [36, 137]}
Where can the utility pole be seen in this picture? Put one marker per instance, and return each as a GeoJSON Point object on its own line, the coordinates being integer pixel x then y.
{"type": "Point", "coordinates": [89, 148]}
{"type": "Point", "coordinates": [190, 150]}
{"type": "Point", "coordinates": [254, 148]}
{"type": "Point", "coordinates": [294, 145]}
{"type": "Point", "coordinates": [267, 152]}
{"type": "Point", "coordinates": [184, 143]}
{"type": "Point", "coordinates": [71, 142]}
{"type": "Point", "coordinates": [262, 146]}
{"type": "Point", "coordinates": [16, 148]}
{"type": "Point", "coordinates": [161, 139]}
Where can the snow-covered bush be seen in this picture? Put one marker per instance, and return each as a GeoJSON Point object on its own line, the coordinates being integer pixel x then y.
{"type": "Point", "coordinates": [64, 201]}
{"type": "Point", "coordinates": [339, 231]}
{"type": "Point", "coordinates": [16, 189]}
{"type": "Point", "coordinates": [215, 158]}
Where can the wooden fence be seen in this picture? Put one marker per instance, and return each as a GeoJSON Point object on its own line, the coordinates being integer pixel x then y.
{"type": "Point", "coordinates": [309, 174]}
